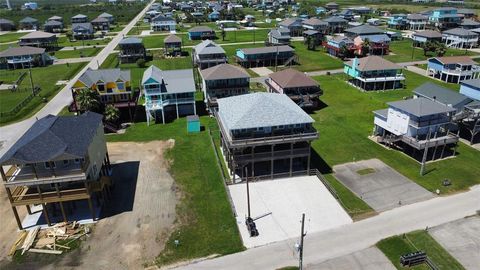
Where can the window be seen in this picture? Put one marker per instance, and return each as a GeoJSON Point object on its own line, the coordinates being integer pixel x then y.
{"type": "Point", "coordinates": [77, 161]}
{"type": "Point", "coordinates": [121, 85]}
{"type": "Point", "coordinates": [66, 162]}
{"type": "Point", "coordinates": [47, 165]}
{"type": "Point", "coordinates": [101, 86]}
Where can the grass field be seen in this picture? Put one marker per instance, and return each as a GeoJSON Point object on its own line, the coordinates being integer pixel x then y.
{"type": "Point", "coordinates": [205, 222]}
{"type": "Point", "coordinates": [87, 52]}
{"type": "Point", "coordinates": [396, 246]}
{"type": "Point", "coordinates": [45, 77]}
{"type": "Point", "coordinates": [403, 52]}
{"type": "Point", "coordinates": [346, 121]}
{"type": "Point", "coordinates": [9, 37]}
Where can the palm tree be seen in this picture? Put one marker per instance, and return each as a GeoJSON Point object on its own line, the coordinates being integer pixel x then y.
{"type": "Point", "coordinates": [440, 49]}
{"type": "Point", "coordinates": [344, 52]}
{"type": "Point", "coordinates": [111, 113]}
{"type": "Point", "coordinates": [88, 100]}
{"type": "Point", "coordinates": [365, 47]}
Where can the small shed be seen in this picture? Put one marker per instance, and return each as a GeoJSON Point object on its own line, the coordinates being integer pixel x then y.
{"type": "Point", "coordinates": [193, 124]}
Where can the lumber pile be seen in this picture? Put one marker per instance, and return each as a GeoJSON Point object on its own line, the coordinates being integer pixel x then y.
{"type": "Point", "coordinates": [51, 240]}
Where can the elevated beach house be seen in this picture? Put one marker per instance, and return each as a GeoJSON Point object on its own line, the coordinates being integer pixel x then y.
{"type": "Point", "coordinates": [265, 135]}
{"type": "Point", "coordinates": [303, 90]}
{"type": "Point", "coordinates": [168, 93]}
{"type": "Point", "coordinates": [112, 85]}
{"type": "Point", "coordinates": [131, 49]}
{"type": "Point", "coordinates": [265, 56]}
{"type": "Point", "coordinates": [420, 38]}
{"type": "Point", "coordinates": [460, 38]}
{"type": "Point", "coordinates": [39, 39]}
{"type": "Point", "coordinates": [453, 69]}
{"type": "Point", "coordinates": [172, 45]}
{"type": "Point", "coordinates": [417, 22]}
{"type": "Point", "coordinates": [24, 57]}
{"type": "Point", "coordinates": [374, 73]}
{"type": "Point", "coordinates": [58, 161]}
{"type": "Point", "coordinates": [419, 127]}
{"type": "Point", "coordinates": [163, 23]}
{"type": "Point", "coordinates": [444, 18]}
{"type": "Point", "coordinates": [208, 54]}
{"type": "Point", "coordinates": [223, 80]}
{"type": "Point", "coordinates": [201, 33]}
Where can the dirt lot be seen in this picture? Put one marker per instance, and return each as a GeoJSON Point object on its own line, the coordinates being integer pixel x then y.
{"type": "Point", "coordinates": [135, 224]}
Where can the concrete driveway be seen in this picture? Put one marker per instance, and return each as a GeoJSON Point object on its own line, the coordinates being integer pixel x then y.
{"type": "Point", "coordinates": [461, 238]}
{"type": "Point", "coordinates": [383, 188]}
{"type": "Point", "coordinates": [368, 259]}
{"type": "Point", "coordinates": [286, 199]}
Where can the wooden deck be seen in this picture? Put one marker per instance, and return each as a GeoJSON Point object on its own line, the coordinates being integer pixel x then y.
{"type": "Point", "coordinates": [21, 196]}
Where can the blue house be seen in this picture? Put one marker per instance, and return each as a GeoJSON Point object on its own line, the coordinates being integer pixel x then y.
{"type": "Point", "coordinates": [453, 69]}
{"type": "Point", "coordinates": [471, 88]}
{"type": "Point", "coordinates": [168, 92]}
{"type": "Point", "coordinates": [398, 21]}
{"type": "Point", "coordinates": [265, 56]}
{"type": "Point", "coordinates": [201, 32]}
{"type": "Point", "coordinates": [418, 126]}
{"type": "Point", "coordinates": [445, 18]}
{"type": "Point", "coordinates": [214, 16]}
{"type": "Point", "coordinates": [320, 10]}
{"type": "Point", "coordinates": [374, 73]}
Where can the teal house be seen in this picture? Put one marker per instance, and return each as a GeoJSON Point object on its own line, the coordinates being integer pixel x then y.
{"type": "Point", "coordinates": [193, 124]}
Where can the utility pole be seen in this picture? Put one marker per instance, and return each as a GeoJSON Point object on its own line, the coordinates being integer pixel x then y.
{"type": "Point", "coordinates": [31, 78]}
{"type": "Point", "coordinates": [300, 248]}
{"type": "Point", "coordinates": [248, 192]}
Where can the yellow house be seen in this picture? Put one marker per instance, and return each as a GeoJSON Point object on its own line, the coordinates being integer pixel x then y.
{"type": "Point", "coordinates": [113, 86]}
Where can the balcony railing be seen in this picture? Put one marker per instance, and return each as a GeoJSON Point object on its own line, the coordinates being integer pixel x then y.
{"type": "Point", "coordinates": [227, 86]}
{"type": "Point", "coordinates": [380, 78]}
{"type": "Point", "coordinates": [275, 155]}
{"type": "Point", "coordinates": [158, 104]}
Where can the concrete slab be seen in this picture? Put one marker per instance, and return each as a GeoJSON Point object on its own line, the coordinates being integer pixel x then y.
{"type": "Point", "coordinates": [262, 71]}
{"type": "Point", "coordinates": [384, 188]}
{"type": "Point", "coordinates": [368, 259]}
{"type": "Point", "coordinates": [461, 239]}
{"type": "Point", "coordinates": [146, 33]}
{"type": "Point", "coordinates": [286, 199]}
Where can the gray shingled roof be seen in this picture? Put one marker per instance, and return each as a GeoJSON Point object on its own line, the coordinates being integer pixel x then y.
{"type": "Point", "coordinates": [173, 81]}
{"type": "Point", "coordinates": [105, 15]}
{"type": "Point", "coordinates": [260, 110]}
{"type": "Point", "coordinates": [91, 76]}
{"type": "Point", "coordinates": [441, 94]}
{"type": "Point", "coordinates": [373, 62]}
{"type": "Point", "coordinates": [130, 40]}
{"type": "Point", "coordinates": [460, 32]}
{"type": "Point", "coordinates": [279, 33]}
{"type": "Point", "coordinates": [420, 107]}
{"type": "Point", "coordinates": [200, 29]}
{"type": "Point", "coordinates": [271, 49]}
{"type": "Point", "coordinates": [314, 21]}
{"type": "Point", "coordinates": [224, 71]}
{"type": "Point", "coordinates": [86, 25]}
{"type": "Point", "coordinates": [79, 16]}
{"type": "Point", "coordinates": [23, 50]}
{"type": "Point", "coordinates": [172, 39]}
{"type": "Point", "coordinates": [53, 23]}
{"type": "Point", "coordinates": [290, 21]}
{"type": "Point", "coordinates": [100, 20]}
{"type": "Point", "coordinates": [472, 82]}
{"type": "Point", "coordinates": [428, 34]}
{"type": "Point", "coordinates": [53, 18]}
{"type": "Point", "coordinates": [5, 21]}
{"type": "Point", "coordinates": [335, 19]}
{"type": "Point", "coordinates": [365, 29]}
{"type": "Point", "coordinates": [161, 18]}
{"type": "Point", "coordinates": [54, 138]}
{"type": "Point", "coordinates": [417, 17]}
{"type": "Point", "coordinates": [37, 34]}
{"type": "Point", "coordinates": [28, 20]}
{"type": "Point", "coordinates": [469, 22]}
{"type": "Point", "coordinates": [208, 47]}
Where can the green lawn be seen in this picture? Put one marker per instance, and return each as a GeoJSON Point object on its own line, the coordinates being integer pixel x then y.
{"type": "Point", "coordinates": [205, 222]}
{"type": "Point", "coordinates": [12, 36]}
{"type": "Point", "coordinates": [65, 42]}
{"type": "Point", "coordinates": [162, 63]}
{"type": "Point", "coordinates": [396, 246]}
{"type": "Point", "coordinates": [403, 52]}
{"type": "Point", "coordinates": [314, 60]}
{"type": "Point", "coordinates": [45, 77]}
{"type": "Point", "coordinates": [347, 121]}
{"type": "Point", "coordinates": [354, 206]}
{"type": "Point", "coordinates": [86, 52]}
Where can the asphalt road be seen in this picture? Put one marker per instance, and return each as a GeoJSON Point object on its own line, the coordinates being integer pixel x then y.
{"type": "Point", "coordinates": [9, 134]}
{"type": "Point", "coordinates": [353, 237]}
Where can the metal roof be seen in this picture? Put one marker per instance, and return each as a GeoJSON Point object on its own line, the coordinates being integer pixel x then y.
{"type": "Point", "coordinates": [79, 16]}
{"type": "Point", "coordinates": [314, 21]}
{"type": "Point", "coordinates": [172, 81]}
{"type": "Point", "coordinates": [420, 107]}
{"type": "Point", "coordinates": [459, 32]}
{"type": "Point", "coordinates": [130, 40]}
{"type": "Point", "coordinates": [54, 138]}
{"type": "Point", "coordinates": [260, 110]}
{"type": "Point", "coordinates": [365, 29]}
{"type": "Point", "coordinates": [28, 20]}
{"type": "Point", "coordinates": [224, 71]}
{"type": "Point", "coordinates": [441, 94]}
{"type": "Point", "coordinates": [172, 39]}
{"type": "Point", "coordinates": [472, 82]}
{"type": "Point", "coordinates": [335, 19]}
{"type": "Point", "coordinates": [428, 34]}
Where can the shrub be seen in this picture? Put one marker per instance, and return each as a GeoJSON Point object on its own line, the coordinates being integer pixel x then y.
{"type": "Point", "coordinates": [141, 63]}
